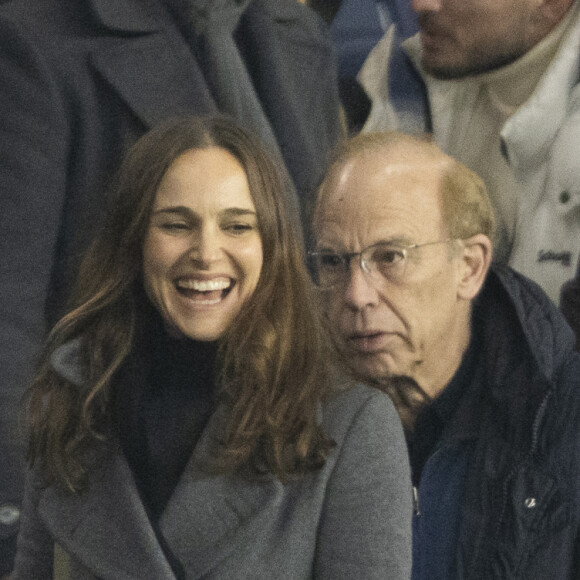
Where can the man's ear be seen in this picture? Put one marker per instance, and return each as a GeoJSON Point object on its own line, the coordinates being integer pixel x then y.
{"type": "Point", "coordinates": [474, 261]}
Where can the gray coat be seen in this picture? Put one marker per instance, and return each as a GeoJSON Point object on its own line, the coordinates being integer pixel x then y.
{"type": "Point", "coordinates": [351, 519]}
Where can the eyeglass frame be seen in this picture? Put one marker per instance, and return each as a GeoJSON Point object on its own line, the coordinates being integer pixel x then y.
{"type": "Point", "coordinates": [347, 257]}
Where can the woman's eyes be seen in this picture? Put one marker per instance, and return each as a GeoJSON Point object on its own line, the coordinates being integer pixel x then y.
{"type": "Point", "coordinates": [174, 227]}
{"type": "Point", "coordinates": [237, 228]}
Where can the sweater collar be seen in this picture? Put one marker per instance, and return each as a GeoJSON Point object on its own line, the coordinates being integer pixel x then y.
{"type": "Point", "coordinates": [510, 86]}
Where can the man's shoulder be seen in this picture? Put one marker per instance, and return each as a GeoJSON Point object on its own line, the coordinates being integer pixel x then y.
{"type": "Point", "coordinates": [524, 313]}
{"type": "Point", "coordinates": [291, 11]}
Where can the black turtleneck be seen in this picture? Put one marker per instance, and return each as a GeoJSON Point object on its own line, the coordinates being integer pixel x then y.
{"type": "Point", "coordinates": [165, 396]}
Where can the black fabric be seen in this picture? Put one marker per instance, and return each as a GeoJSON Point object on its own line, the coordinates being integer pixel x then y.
{"type": "Point", "coordinates": [513, 458]}
{"type": "Point", "coordinates": [164, 395]}
{"type": "Point", "coordinates": [164, 398]}
{"type": "Point", "coordinates": [521, 507]}
{"type": "Point", "coordinates": [434, 418]}
{"type": "Point", "coordinates": [570, 304]}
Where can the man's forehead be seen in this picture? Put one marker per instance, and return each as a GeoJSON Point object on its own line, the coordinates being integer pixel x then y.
{"type": "Point", "coordinates": [371, 196]}
{"type": "Point", "coordinates": [375, 178]}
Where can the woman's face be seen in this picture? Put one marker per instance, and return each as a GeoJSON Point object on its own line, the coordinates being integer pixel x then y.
{"type": "Point", "coordinates": [202, 255]}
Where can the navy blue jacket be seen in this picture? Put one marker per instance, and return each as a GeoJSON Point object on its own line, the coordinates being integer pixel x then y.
{"type": "Point", "coordinates": [508, 463]}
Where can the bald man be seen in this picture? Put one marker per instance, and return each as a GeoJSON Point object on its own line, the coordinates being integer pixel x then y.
{"type": "Point", "coordinates": [477, 359]}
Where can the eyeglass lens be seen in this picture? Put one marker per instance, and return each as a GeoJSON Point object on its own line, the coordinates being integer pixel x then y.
{"type": "Point", "coordinates": [332, 269]}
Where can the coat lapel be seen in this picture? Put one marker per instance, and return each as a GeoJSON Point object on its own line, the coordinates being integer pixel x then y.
{"type": "Point", "coordinates": [207, 519]}
{"type": "Point", "coordinates": [149, 64]}
{"type": "Point", "coordinates": [106, 527]}
{"type": "Point", "coordinates": [210, 517]}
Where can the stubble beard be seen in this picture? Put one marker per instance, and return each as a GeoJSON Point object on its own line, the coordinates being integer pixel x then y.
{"type": "Point", "coordinates": [448, 73]}
{"type": "Point", "coordinates": [473, 60]}
{"type": "Point", "coordinates": [474, 63]}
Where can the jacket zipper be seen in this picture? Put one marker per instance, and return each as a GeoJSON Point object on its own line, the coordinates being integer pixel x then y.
{"type": "Point", "coordinates": [416, 509]}
{"type": "Point", "coordinates": [535, 433]}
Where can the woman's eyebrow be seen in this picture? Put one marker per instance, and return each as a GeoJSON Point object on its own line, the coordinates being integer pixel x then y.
{"type": "Point", "coordinates": [228, 212]}
{"type": "Point", "coordinates": [238, 211]}
{"type": "Point", "coordinates": [178, 209]}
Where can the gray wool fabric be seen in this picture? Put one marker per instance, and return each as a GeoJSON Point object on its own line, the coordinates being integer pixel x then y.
{"type": "Point", "coordinates": [350, 519]}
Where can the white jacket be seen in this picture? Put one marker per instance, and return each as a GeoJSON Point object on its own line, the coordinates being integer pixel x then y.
{"type": "Point", "coordinates": [541, 141]}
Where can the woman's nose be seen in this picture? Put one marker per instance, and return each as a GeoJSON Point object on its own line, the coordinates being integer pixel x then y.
{"type": "Point", "coordinates": [206, 247]}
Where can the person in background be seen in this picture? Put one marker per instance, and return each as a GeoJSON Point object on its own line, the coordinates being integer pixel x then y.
{"type": "Point", "coordinates": [186, 420]}
{"type": "Point", "coordinates": [356, 27]}
{"type": "Point", "coordinates": [478, 360]}
{"type": "Point", "coordinates": [499, 94]}
{"type": "Point", "coordinates": [79, 83]}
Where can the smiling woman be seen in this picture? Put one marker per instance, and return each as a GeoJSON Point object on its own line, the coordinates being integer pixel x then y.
{"type": "Point", "coordinates": [186, 420]}
{"type": "Point", "coordinates": [202, 255]}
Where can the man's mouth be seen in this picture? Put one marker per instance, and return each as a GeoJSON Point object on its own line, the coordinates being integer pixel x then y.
{"type": "Point", "coordinates": [205, 292]}
{"type": "Point", "coordinates": [365, 334]}
{"type": "Point", "coordinates": [367, 341]}
{"type": "Point", "coordinates": [431, 32]}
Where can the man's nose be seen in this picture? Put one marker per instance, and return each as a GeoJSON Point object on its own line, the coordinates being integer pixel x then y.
{"type": "Point", "coordinates": [426, 5]}
{"type": "Point", "coordinates": [359, 292]}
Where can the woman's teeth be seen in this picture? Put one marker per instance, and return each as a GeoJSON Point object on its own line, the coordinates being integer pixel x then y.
{"type": "Point", "coordinates": [205, 292]}
{"type": "Point", "coordinates": [204, 285]}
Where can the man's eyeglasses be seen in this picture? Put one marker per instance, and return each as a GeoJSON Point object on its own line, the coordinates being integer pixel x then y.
{"type": "Point", "coordinates": [380, 261]}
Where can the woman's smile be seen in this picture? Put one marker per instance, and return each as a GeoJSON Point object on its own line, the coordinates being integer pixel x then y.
{"type": "Point", "coordinates": [205, 292]}
{"type": "Point", "coordinates": [203, 255]}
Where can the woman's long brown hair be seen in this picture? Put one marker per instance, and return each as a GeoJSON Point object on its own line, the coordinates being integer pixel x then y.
{"type": "Point", "coordinates": [272, 364]}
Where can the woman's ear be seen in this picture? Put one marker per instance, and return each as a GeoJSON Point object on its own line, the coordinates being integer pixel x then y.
{"type": "Point", "coordinates": [474, 261]}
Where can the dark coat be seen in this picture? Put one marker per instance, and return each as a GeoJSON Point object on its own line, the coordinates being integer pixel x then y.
{"type": "Point", "coordinates": [520, 422]}
{"type": "Point", "coordinates": [79, 82]}
{"type": "Point", "coordinates": [570, 304]}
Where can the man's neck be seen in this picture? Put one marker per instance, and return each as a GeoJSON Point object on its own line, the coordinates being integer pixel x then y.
{"type": "Point", "coordinates": [434, 376]}
{"type": "Point", "coordinates": [407, 396]}
{"type": "Point", "coordinates": [412, 395]}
